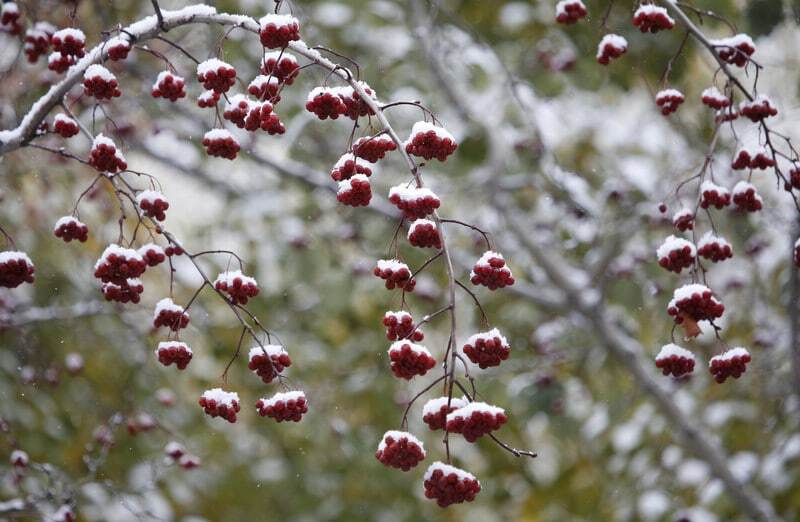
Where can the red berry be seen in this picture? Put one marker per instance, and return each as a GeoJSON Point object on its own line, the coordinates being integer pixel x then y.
{"type": "Point", "coordinates": [174, 352]}
{"type": "Point", "coordinates": [424, 234]}
{"type": "Point", "coordinates": [415, 202]}
{"type": "Point", "coordinates": [278, 30]}
{"type": "Point", "coordinates": [669, 100]}
{"type": "Point", "coordinates": [475, 420]}
{"type": "Point", "coordinates": [65, 126]}
{"type": "Point", "coordinates": [105, 156]}
{"type": "Point", "coordinates": [487, 349]}
{"type": "Point", "coordinates": [407, 359]}
{"type": "Point", "coordinates": [169, 86]}
{"type": "Point", "coordinates": [675, 254]}
{"type": "Point", "coordinates": [15, 268]}
{"type": "Point", "coordinates": [758, 109]}
{"type": "Point", "coordinates": [714, 195]}
{"type": "Point", "coordinates": [347, 166]}
{"type": "Point", "coordinates": [396, 274]}
{"type": "Point", "coordinates": [430, 141]}
{"type": "Point", "coordinates": [118, 48]}
{"type": "Point", "coordinates": [239, 287]}
{"type": "Point", "coordinates": [152, 254]}
{"type": "Point", "coordinates": [268, 361]}
{"type": "Point", "coordinates": [714, 248]}
{"type": "Point", "coordinates": [117, 265]}
{"type": "Point", "coordinates": [435, 411]}
{"type": "Point", "coordinates": [732, 363]}
{"type": "Point", "coordinates": [355, 191]}
{"type": "Point", "coordinates": [373, 149]}
{"type": "Point", "coordinates": [100, 83]}
{"type": "Point", "coordinates": [449, 485]}
{"type": "Point", "coordinates": [221, 143]}
{"type": "Point", "coordinates": [170, 315]}
{"type": "Point", "coordinates": [569, 12]}
{"type": "Point", "coordinates": [325, 102]}
{"type": "Point", "coordinates": [736, 50]}
{"type": "Point", "coordinates": [715, 99]}
{"type": "Point", "coordinates": [280, 65]}
{"type": "Point", "coordinates": [610, 47]}
{"type": "Point", "coordinates": [491, 271]}
{"type": "Point", "coordinates": [289, 406]}
{"type": "Point", "coordinates": [69, 228]}
{"type": "Point", "coordinates": [400, 325]}
{"type": "Point", "coordinates": [651, 18]}
{"type": "Point", "coordinates": [69, 41]}
{"type": "Point", "coordinates": [746, 198]}
{"type": "Point", "coordinates": [216, 75]}
{"type": "Point", "coordinates": [153, 204]}
{"type": "Point", "coordinates": [695, 302]}
{"type": "Point", "coordinates": [216, 402]}
{"type": "Point", "coordinates": [127, 291]}
{"type": "Point", "coordinates": [672, 359]}
{"type": "Point", "coordinates": [401, 450]}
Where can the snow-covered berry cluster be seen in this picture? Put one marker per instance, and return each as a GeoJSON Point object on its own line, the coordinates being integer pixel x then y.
{"type": "Point", "coordinates": [407, 359]}
{"type": "Point", "coordinates": [400, 325]}
{"type": "Point", "coordinates": [59, 63]}
{"type": "Point", "coordinates": [277, 30]}
{"type": "Point", "coordinates": [650, 18]}
{"type": "Point", "coordinates": [221, 143]}
{"type": "Point", "coordinates": [758, 109]}
{"type": "Point", "coordinates": [669, 100]}
{"type": "Point", "coordinates": [280, 65]}
{"type": "Point", "coordinates": [475, 420]}
{"type": "Point", "coordinates": [10, 19]}
{"type": "Point", "coordinates": [326, 102]}
{"type": "Point", "coordinates": [736, 50]}
{"type": "Point", "coordinates": [153, 204]}
{"type": "Point", "coordinates": [174, 352]}
{"type": "Point", "coordinates": [569, 12]}
{"type": "Point", "coordinates": [491, 271]}
{"type": "Point", "coordinates": [448, 485]}
{"type": "Point", "coordinates": [675, 360]}
{"type": "Point", "coordinates": [170, 315]}
{"type": "Point", "coordinates": [69, 41]}
{"type": "Point", "coordinates": [732, 363]}
{"type": "Point", "coordinates": [355, 191]}
{"type": "Point", "coordinates": [400, 449]}
{"type": "Point", "coordinates": [374, 148]}
{"type": "Point", "coordinates": [757, 158]}
{"type": "Point", "coordinates": [487, 349]}
{"type": "Point", "coordinates": [746, 198]}
{"type": "Point", "coordinates": [287, 406]}
{"type": "Point", "coordinates": [610, 47]}
{"type": "Point", "coordinates": [69, 228]}
{"type": "Point", "coordinates": [715, 99]}
{"type": "Point", "coordinates": [414, 202]}
{"type": "Point", "coordinates": [695, 302]}
{"type": "Point", "coordinates": [683, 220]}
{"type": "Point", "coordinates": [216, 75]}
{"type": "Point", "coordinates": [105, 156]}
{"type": "Point", "coordinates": [100, 83]}
{"type": "Point", "coordinates": [37, 40]}
{"type": "Point", "coordinates": [169, 86]}
{"type": "Point", "coordinates": [217, 402]}
{"type": "Point", "coordinates": [430, 141]}
{"type": "Point", "coordinates": [127, 291]}
{"type": "Point", "coordinates": [265, 88]}
{"type": "Point", "coordinates": [714, 196]}
{"type": "Point", "coordinates": [268, 361]}
{"type": "Point", "coordinates": [396, 274]}
{"type": "Point", "coordinates": [423, 234]}
{"type": "Point", "coordinates": [675, 254]}
{"type": "Point", "coordinates": [714, 248]}
{"type": "Point", "coordinates": [118, 264]}
{"type": "Point", "coordinates": [435, 411]}
{"type": "Point", "coordinates": [65, 126]}
{"type": "Point", "coordinates": [118, 48]}
{"type": "Point", "coordinates": [347, 166]}
{"type": "Point", "coordinates": [239, 287]}
{"type": "Point", "coordinates": [208, 99]}
{"type": "Point", "coordinates": [152, 254]}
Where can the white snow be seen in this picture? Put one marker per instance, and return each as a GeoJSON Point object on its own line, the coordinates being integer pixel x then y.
{"type": "Point", "coordinates": [434, 406]}
{"type": "Point", "coordinates": [284, 396]}
{"type": "Point", "coordinates": [230, 276]}
{"type": "Point", "coordinates": [273, 350]}
{"type": "Point", "coordinates": [219, 134]}
{"type": "Point", "coordinates": [714, 93]}
{"type": "Point", "coordinates": [422, 127]}
{"type": "Point", "coordinates": [10, 255]}
{"type": "Point", "coordinates": [488, 255]}
{"type": "Point", "coordinates": [650, 9]}
{"type": "Point", "coordinates": [349, 157]}
{"type": "Point", "coordinates": [730, 354]}
{"type": "Point", "coordinates": [709, 238]}
{"type": "Point", "coordinates": [221, 396]}
{"type": "Point", "coordinates": [117, 41]}
{"type": "Point", "coordinates": [481, 407]}
{"type": "Point", "coordinates": [710, 186]}
{"type": "Point", "coordinates": [126, 253]}
{"type": "Point", "coordinates": [419, 223]}
{"type": "Point", "coordinates": [212, 64]}
{"type": "Point", "coordinates": [613, 40]}
{"type": "Point", "coordinates": [317, 91]}
{"type": "Point", "coordinates": [19, 455]}
{"type": "Point", "coordinates": [237, 99]}
{"type": "Point", "coordinates": [66, 220]}
{"type": "Point", "coordinates": [416, 348]}
{"type": "Point", "coordinates": [207, 96]}
{"type": "Point", "coordinates": [9, 8]}
{"type": "Point", "coordinates": [151, 196]}
{"type": "Point", "coordinates": [166, 345]}
{"type": "Point", "coordinates": [163, 75]}
{"type": "Point", "coordinates": [346, 184]}
{"type": "Point", "coordinates": [668, 350]}
{"type": "Point", "coordinates": [63, 118]}
{"type": "Point", "coordinates": [406, 193]}
{"type": "Point", "coordinates": [397, 436]}
{"type": "Point", "coordinates": [668, 93]}
{"type": "Point", "coordinates": [167, 305]}
{"type": "Point", "coordinates": [76, 34]}
{"type": "Point", "coordinates": [278, 20]}
{"type": "Point", "coordinates": [447, 469]}
{"type": "Point", "coordinates": [742, 187]}
{"type": "Point", "coordinates": [486, 336]}
{"type": "Point", "coordinates": [561, 7]}
{"type": "Point", "coordinates": [278, 55]}
{"type": "Point", "coordinates": [673, 243]}
{"type": "Point", "coordinates": [150, 247]}
{"type": "Point", "coordinates": [98, 71]}
{"type": "Point", "coordinates": [102, 139]}
{"type": "Point", "coordinates": [392, 264]}
{"type": "Point", "coordinates": [259, 81]}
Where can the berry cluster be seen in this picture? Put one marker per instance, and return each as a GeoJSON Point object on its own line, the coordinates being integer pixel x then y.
{"type": "Point", "coordinates": [695, 302]}
{"type": "Point", "coordinates": [170, 315]}
{"type": "Point", "coordinates": [435, 411]}
{"type": "Point", "coordinates": [430, 141]}
{"type": "Point", "coordinates": [15, 268]}
{"type": "Point", "coordinates": [735, 50]}
{"type": "Point", "coordinates": [409, 359]}
{"type": "Point", "coordinates": [69, 228]}
{"type": "Point", "coordinates": [683, 220]}
{"type": "Point", "coordinates": [221, 143]}
{"type": "Point", "coordinates": [714, 195]}
{"type": "Point", "coordinates": [278, 30]}
{"type": "Point", "coordinates": [216, 75]}
{"type": "Point", "coordinates": [37, 40]}
{"type": "Point", "coordinates": [475, 420]}
{"type": "Point", "coordinates": [268, 361]}
{"type": "Point", "coordinates": [127, 291]}
{"type": "Point", "coordinates": [239, 287]}
{"type": "Point", "coordinates": [169, 86]}
{"type": "Point", "coordinates": [153, 204]}
{"type": "Point", "coordinates": [669, 100]}
{"type": "Point", "coordinates": [715, 99]}
{"type": "Point", "coordinates": [400, 325]}
{"type": "Point", "coordinates": [746, 198]}
{"type": "Point", "coordinates": [118, 48]}
{"type": "Point", "coordinates": [373, 149]}
{"type": "Point", "coordinates": [117, 265]}
{"type": "Point", "coordinates": [10, 19]}
{"type": "Point", "coordinates": [152, 254]}
{"type": "Point", "coordinates": [280, 65]}
{"type": "Point", "coordinates": [610, 47]}
{"type": "Point", "coordinates": [396, 274]}
{"type": "Point", "coordinates": [100, 83]}
{"type": "Point", "coordinates": [105, 156]}
{"type": "Point", "coordinates": [675, 254]}
{"type": "Point", "coordinates": [347, 166]}
{"type": "Point", "coordinates": [758, 109]}
{"type": "Point", "coordinates": [355, 106]}
{"type": "Point", "coordinates": [265, 88]}
{"type": "Point", "coordinates": [400, 449]}
{"type": "Point", "coordinates": [672, 359]}
{"type": "Point", "coordinates": [326, 102]}
{"type": "Point", "coordinates": [487, 349]}
{"type": "Point", "coordinates": [216, 402]}
{"type": "Point", "coordinates": [174, 352]}
{"type": "Point", "coordinates": [208, 99]}
{"type": "Point", "coordinates": [651, 18]}
{"type": "Point", "coordinates": [355, 191]}
{"type": "Point", "coordinates": [714, 248]}
{"type": "Point", "coordinates": [423, 234]}
{"type": "Point", "coordinates": [757, 158]}
{"type": "Point", "coordinates": [69, 41]}
{"type": "Point", "coordinates": [65, 126]}
{"type": "Point", "coordinates": [732, 363]}
{"type": "Point", "coordinates": [414, 202]}
{"type": "Point", "coordinates": [288, 406]}
{"type": "Point", "coordinates": [569, 12]}
{"type": "Point", "coordinates": [450, 485]}
{"type": "Point", "coordinates": [491, 271]}
{"type": "Point", "coordinates": [59, 63]}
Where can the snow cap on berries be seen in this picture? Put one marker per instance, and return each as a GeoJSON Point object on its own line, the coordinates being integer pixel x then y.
{"type": "Point", "coordinates": [219, 403]}
{"type": "Point", "coordinates": [69, 228]}
{"type": "Point", "coordinates": [652, 18]}
{"type": "Point", "coordinates": [490, 270]}
{"type": "Point", "coordinates": [611, 46]}
{"type": "Point", "coordinates": [277, 30]}
{"type": "Point", "coordinates": [732, 363]}
{"type": "Point", "coordinates": [221, 143]}
{"type": "Point", "coordinates": [15, 268]}
{"type": "Point", "coordinates": [176, 352]}
{"type": "Point", "coordinates": [216, 75]}
{"type": "Point", "coordinates": [715, 99]}
{"type": "Point", "coordinates": [430, 141]}
{"type": "Point", "coordinates": [570, 11]}
{"type": "Point", "coordinates": [65, 126]}
{"type": "Point", "coordinates": [409, 359]}
{"type": "Point", "coordinates": [450, 485]}
{"type": "Point", "coordinates": [100, 82]}
{"type": "Point", "coordinates": [675, 360]}
{"type": "Point", "coordinates": [487, 349]}
{"type": "Point", "coordinates": [475, 420]}
{"type": "Point", "coordinates": [400, 449]}
{"type": "Point", "coordinates": [675, 254]}
{"type": "Point", "coordinates": [237, 285]}
{"type": "Point", "coordinates": [286, 406]}
{"type": "Point", "coordinates": [746, 198]}
{"type": "Point", "coordinates": [714, 248]}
